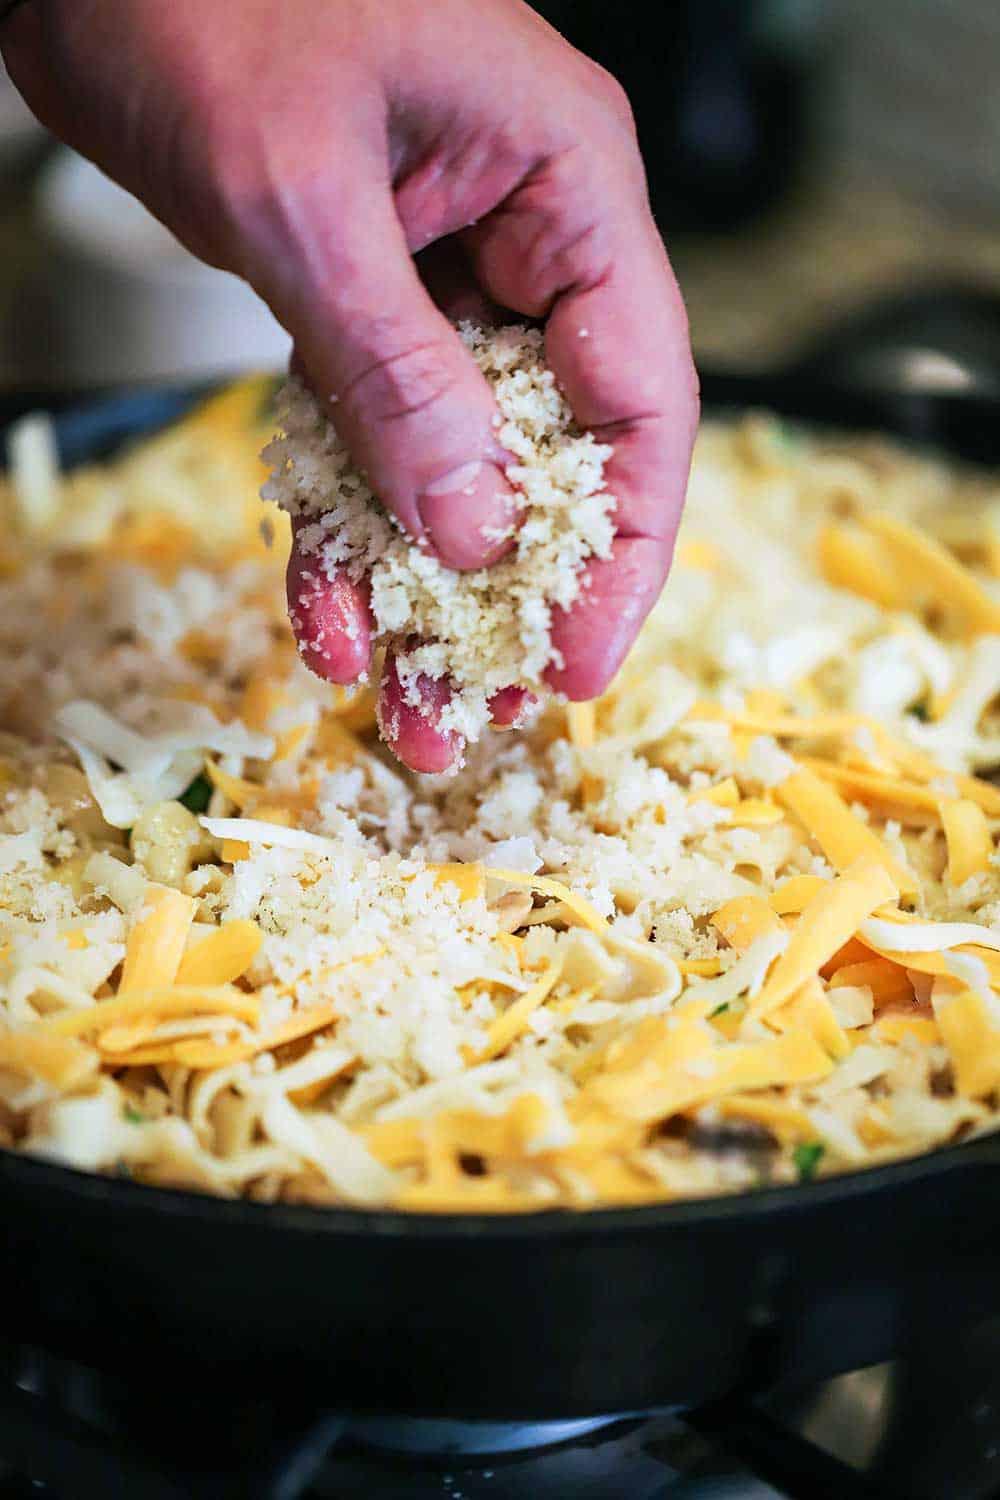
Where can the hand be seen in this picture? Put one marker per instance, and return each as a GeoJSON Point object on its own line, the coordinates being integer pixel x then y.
{"type": "Point", "coordinates": [315, 149]}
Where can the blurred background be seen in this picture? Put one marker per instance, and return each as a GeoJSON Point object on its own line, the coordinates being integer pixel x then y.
{"type": "Point", "coordinates": [807, 159]}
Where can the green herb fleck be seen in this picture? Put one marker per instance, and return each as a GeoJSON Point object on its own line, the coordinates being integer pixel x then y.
{"type": "Point", "coordinates": [807, 1158]}
{"type": "Point", "coordinates": [785, 438]}
{"type": "Point", "coordinates": [133, 1116]}
{"type": "Point", "coordinates": [919, 711]}
{"type": "Point", "coordinates": [719, 1010]}
{"type": "Point", "coordinates": [198, 795]}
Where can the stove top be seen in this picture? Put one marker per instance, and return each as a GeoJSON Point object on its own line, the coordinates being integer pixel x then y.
{"type": "Point", "coordinates": [924, 1429]}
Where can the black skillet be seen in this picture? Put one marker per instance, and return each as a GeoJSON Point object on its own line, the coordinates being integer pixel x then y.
{"type": "Point", "coordinates": [559, 1314]}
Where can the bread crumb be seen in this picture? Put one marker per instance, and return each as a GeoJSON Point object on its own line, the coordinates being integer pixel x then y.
{"type": "Point", "coordinates": [485, 630]}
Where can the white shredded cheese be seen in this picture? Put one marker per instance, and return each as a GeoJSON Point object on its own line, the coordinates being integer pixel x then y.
{"type": "Point", "coordinates": [271, 835]}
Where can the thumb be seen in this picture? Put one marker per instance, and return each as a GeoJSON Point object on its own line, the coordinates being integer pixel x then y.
{"type": "Point", "coordinates": [401, 389]}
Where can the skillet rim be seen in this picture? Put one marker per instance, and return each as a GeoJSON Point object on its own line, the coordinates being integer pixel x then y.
{"type": "Point", "coordinates": [146, 409]}
{"type": "Point", "coordinates": [36, 1175]}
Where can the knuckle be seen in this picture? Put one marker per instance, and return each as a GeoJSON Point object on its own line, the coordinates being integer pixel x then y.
{"type": "Point", "coordinates": [614, 97]}
{"type": "Point", "coordinates": [689, 389]}
{"type": "Point", "coordinates": [608, 97]}
{"type": "Point", "coordinates": [415, 381]}
{"type": "Point", "coordinates": [566, 254]}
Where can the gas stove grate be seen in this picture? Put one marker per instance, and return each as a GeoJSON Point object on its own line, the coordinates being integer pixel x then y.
{"type": "Point", "coordinates": [67, 1432]}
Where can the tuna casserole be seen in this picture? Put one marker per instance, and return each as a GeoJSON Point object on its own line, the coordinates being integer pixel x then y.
{"type": "Point", "coordinates": [737, 923]}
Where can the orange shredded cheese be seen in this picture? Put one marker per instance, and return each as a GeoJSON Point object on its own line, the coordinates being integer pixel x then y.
{"type": "Point", "coordinates": [514, 1020]}
{"type": "Point", "coordinates": [926, 567]}
{"type": "Point", "coordinates": [194, 1000]}
{"type": "Point", "coordinates": [784, 1120]}
{"type": "Point", "coordinates": [811, 1010]}
{"type": "Point", "coordinates": [972, 1038]}
{"type": "Point", "coordinates": [887, 981]}
{"type": "Point", "coordinates": [795, 894]}
{"type": "Point", "coordinates": [58, 1060]}
{"type": "Point", "coordinates": [155, 946]}
{"type": "Point", "coordinates": [222, 956]}
{"type": "Point", "coordinates": [755, 812]}
{"type": "Point", "coordinates": [289, 741]}
{"type": "Point", "coordinates": [581, 724]}
{"type": "Point", "coordinates": [689, 1069]}
{"type": "Point", "coordinates": [843, 838]}
{"type": "Point", "coordinates": [850, 560]}
{"type": "Point", "coordinates": [723, 794]}
{"type": "Point", "coordinates": [970, 844]}
{"type": "Point", "coordinates": [469, 879]}
{"type": "Point", "coordinates": [826, 924]}
{"type": "Point", "coordinates": [895, 1028]}
{"type": "Point", "coordinates": [870, 786]}
{"type": "Point", "coordinates": [743, 920]}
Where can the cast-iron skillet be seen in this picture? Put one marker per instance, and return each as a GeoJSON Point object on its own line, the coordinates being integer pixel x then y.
{"type": "Point", "coordinates": [555, 1314]}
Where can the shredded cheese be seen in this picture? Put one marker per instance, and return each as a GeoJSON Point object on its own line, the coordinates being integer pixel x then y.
{"type": "Point", "coordinates": [546, 886]}
{"type": "Point", "coordinates": [249, 831]}
{"type": "Point", "coordinates": [221, 956]}
{"type": "Point", "coordinates": [925, 565]}
{"type": "Point", "coordinates": [155, 948]}
{"type": "Point", "coordinates": [825, 925]}
{"type": "Point", "coordinates": [745, 919]}
{"type": "Point", "coordinates": [507, 1026]}
{"type": "Point", "coordinates": [970, 843]}
{"type": "Point", "coordinates": [176, 1000]}
{"type": "Point", "coordinates": [707, 964]}
{"type": "Point", "coordinates": [843, 838]}
{"type": "Point", "coordinates": [972, 1037]}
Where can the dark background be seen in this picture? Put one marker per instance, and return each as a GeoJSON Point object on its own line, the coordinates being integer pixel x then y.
{"type": "Point", "coordinates": [804, 156]}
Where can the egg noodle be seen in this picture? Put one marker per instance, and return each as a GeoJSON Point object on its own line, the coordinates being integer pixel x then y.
{"type": "Point", "coordinates": [737, 923]}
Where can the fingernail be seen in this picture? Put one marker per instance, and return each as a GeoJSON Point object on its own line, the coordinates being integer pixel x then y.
{"type": "Point", "coordinates": [413, 735]}
{"type": "Point", "coordinates": [511, 706]}
{"type": "Point", "coordinates": [458, 480]}
{"type": "Point", "coordinates": [332, 623]}
{"type": "Point", "coordinates": [470, 515]}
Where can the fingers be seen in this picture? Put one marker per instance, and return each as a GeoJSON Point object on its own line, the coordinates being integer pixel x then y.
{"type": "Point", "coordinates": [331, 618]}
{"type": "Point", "coordinates": [509, 707]}
{"type": "Point", "coordinates": [616, 334]}
{"type": "Point", "coordinates": [446, 271]}
{"type": "Point", "coordinates": [412, 733]}
{"type": "Point", "coordinates": [620, 351]}
{"type": "Point", "coordinates": [594, 636]}
{"type": "Point", "coordinates": [587, 254]}
{"type": "Point", "coordinates": [404, 393]}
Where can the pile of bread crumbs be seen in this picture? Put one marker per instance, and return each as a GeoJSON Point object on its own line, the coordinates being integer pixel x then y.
{"type": "Point", "coordinates": [485, 630]}
{"type": "Point", "coordinates": [736, 924]}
